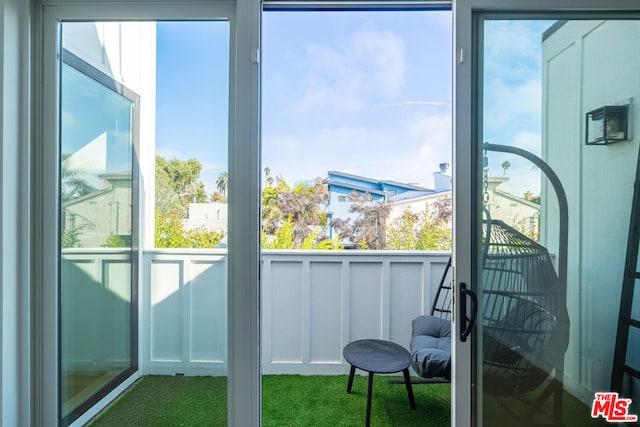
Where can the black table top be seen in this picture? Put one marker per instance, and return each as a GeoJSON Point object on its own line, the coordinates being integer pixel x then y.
{"type": "Point", "coordinates": [378, 356]}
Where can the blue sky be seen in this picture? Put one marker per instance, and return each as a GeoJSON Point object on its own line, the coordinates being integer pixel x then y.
{"type": "Point", "coordinates": [192, 93]}
{"type": "Point", "coordinates": [367, 93]}
{"type": "Point", "coordinates": [364, 93]}
{"type": "Point", "coordinates": [512, 107]}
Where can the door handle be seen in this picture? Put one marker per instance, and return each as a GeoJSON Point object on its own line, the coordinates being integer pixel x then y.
{"type": "Point", "coordinates": [467, 324]}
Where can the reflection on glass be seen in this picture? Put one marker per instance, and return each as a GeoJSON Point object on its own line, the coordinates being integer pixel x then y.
{"type": "Point", "coordinates": [552, 275]}
{"type": "Point", "coordinates": [96, 196]}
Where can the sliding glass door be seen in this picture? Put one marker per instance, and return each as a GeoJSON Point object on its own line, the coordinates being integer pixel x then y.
{"type": "Point", "coordinates": [553, 166]}
{"type": "Point", "coordinates": [99, 231]}
{"type": "Point", "coordinates": [121, 296]}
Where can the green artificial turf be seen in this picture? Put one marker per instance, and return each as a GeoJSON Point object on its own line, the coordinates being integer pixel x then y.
{"type": "Point", "coordinates": [287, 400]}
{"type": "Point", "coordinates": [290, 400]}
{"type": "Point", "coordinates": [169, 401]}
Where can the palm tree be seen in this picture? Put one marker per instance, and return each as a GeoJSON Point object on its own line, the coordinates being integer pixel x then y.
{"type": "Point", "coordinates": [222, 181]}
{"type": "Point", "coordinates": [505, 165]}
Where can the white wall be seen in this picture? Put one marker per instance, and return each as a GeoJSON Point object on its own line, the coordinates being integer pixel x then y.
{"type": "Point", "coordinates": [212, 216]}
{"type": "Point", "coordinates": [586, 65]}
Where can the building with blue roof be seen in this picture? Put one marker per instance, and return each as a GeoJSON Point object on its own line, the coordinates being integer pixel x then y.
{"type": "Point", "coordinates": [341, 185]}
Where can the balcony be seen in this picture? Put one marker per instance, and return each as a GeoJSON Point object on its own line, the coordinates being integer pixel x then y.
{"type": "Point", "coordinates": [313, 304]}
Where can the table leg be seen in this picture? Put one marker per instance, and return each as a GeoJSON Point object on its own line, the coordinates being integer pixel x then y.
{"type": "Point", "coordinates": [369, 390]}
{"type": "Point", "coordinates": [351, 374]}
{"type": "Point", "coordinates": [407, 381]}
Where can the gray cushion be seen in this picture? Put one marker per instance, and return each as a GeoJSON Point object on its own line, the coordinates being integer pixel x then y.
{"type": "Point", "coordinates": [431, 347]}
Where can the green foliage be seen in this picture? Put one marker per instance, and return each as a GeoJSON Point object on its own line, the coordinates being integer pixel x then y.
{"type": "Point", "coordinates": [170, 233]}
{"type": "Point", "coordinates": [222, 182]}
{"type": "Point", "coordinates": [419, 232]}
{"type": "Point", "coordinates": [284, 238]}
{"type": "Point", "coordinates": [505, 165]}
{"type": "Point", "coordinates": [216, 196]}
{"type": "Point", "coordinates": [177, 185]}
{"type": "Point", "coordinates": [73, 186]}
{"type": "Point", "coordinates": [71, 237]}
{"type": "Point", "coordinates": [362, 244]}
{"type": "Point", "coordinates": [115, 241]}
{"type": "Point", "coordinates": [294, 217]}
{"type": "Point", "coordinates": [403, 233]}
{"type": "Point", "coordinates": [530, 226]}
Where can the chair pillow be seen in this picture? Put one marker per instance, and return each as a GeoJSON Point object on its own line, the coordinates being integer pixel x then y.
{"type": "Point", "coordinates": [431, 347]}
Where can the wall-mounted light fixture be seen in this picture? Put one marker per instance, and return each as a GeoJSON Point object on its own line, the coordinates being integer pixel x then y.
{"type": "Point", "coordinates": [607, 125]}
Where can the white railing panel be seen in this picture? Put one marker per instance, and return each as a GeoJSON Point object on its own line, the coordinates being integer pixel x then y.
{"type": "Point", "coordinates": [313, 304]}
{"type": "Point", "coordinates": [184, 310]}
{"type": "Point", "coordinates": [95, 285]}
{"type": "Point", "coordinates": [208, 311]}
{"type": "Point", "coordinates": [166, 312]}
{"type": "Point", "coordinates": [405, 298]}
{"type": "Point", "coordinates": [365, 294]}
{"type": "Point", "coordinates": [326, 317]}
{"type": "Point", "coordinates": [286, 314]}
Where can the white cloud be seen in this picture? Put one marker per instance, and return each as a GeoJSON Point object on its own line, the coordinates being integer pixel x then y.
{"type": "Point", "coordinates": [369, 65]}
{"type": "Point", "coordinates": [384, 52]}
{"type": "Point", "coordinates": [412, 103]}
{"type": "Point", "coordinates": [528, 141]}
{"type": "Point", "coordinates": [512, 48]}
{"type": "Point", "coordinates": [411, 155]}
{"type": "Point", "coordinates": [507, 104]}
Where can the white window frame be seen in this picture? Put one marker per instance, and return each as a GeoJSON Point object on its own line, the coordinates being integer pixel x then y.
{"type": "Point", "coordinates": [244, 189]}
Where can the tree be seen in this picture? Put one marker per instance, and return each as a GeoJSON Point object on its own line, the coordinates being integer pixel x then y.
{"type": "Point", "coordinates": [216, 196]}
{"type": "Point", "coordinates": [429, 230]}
{"type": "Point", "coordinates": [177, 185]}
{"type": "Point", "coordinates": [505, 165]}
{"type": "Point", "coordinates": [170, 233]}
{"type": "Point", "coordinates": [368, 229]}
{"type": "Point", "coordinates": [283, 238]}
{"type": "Point", "coordinates": [222, 182]}
{"type": "Point", "coordinates": [294, 215]}
{"type": "Point", "coordinates": [72, 186]}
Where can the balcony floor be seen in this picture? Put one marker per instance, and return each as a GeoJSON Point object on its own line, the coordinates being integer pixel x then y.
{"type": "Point", "coordinates": [288, 400]}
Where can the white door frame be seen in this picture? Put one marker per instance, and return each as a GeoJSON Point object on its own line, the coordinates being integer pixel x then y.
{"type": "Point", "coordinates": [466, 166]}
{"type": "Point", "coordinates": [244, 172]}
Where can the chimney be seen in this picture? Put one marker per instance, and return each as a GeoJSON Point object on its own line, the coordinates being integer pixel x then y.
{"type": "Point", "coordinates": [441, 181]}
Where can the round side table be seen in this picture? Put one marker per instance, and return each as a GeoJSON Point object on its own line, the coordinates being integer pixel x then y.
{"type": "Point", "coordinates": [378, 357]}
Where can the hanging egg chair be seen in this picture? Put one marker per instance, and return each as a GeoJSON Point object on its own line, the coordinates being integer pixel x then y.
{"type": "Point", "coordinates": [524, 319]}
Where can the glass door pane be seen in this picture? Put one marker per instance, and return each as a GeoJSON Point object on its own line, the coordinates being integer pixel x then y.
{"type": "Point", "coordinates": [559, 162]}
{"type": "Point", "coordinates": [138, 101]}
{"type": "Point", "coordinates": [98, 240]}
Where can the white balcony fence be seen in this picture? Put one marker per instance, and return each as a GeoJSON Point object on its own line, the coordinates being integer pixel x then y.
{"type": "Point", "coordinates": [313, 304]}
{"type": "Point", "coordinates": [316, 302]}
